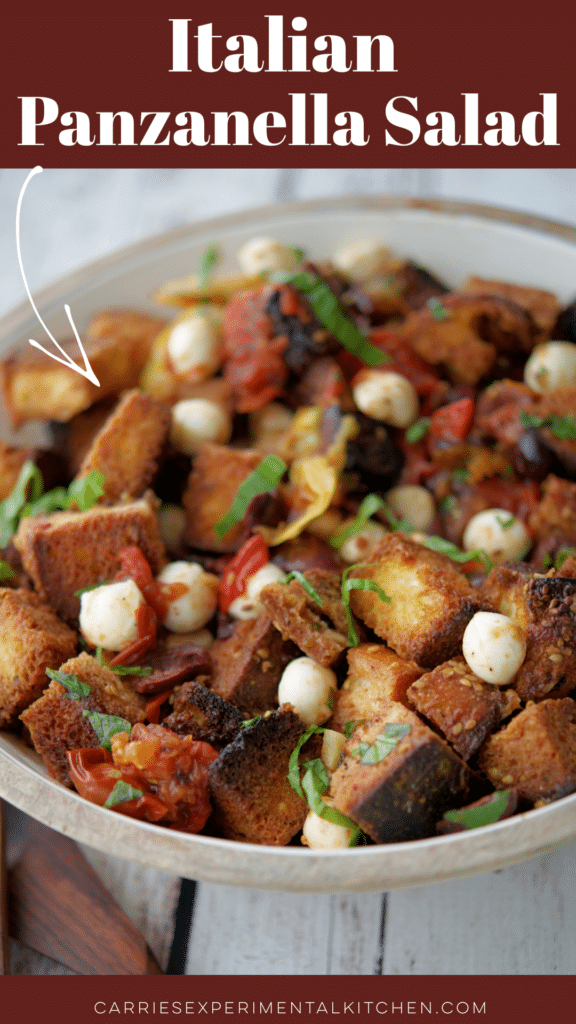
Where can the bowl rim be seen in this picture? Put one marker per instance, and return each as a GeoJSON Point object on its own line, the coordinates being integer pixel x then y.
{"type": "Point", "coordinates": [373, 868]}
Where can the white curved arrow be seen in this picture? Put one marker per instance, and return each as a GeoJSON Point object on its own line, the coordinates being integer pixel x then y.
{"type": "Point", "coordinates": [67, 361]}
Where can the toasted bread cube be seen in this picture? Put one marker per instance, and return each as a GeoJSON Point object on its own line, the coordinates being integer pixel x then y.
{"type": "Point", "coordinates": [69, 551]}
{"type": "Point", "coordinates": [203, 714]}
{"type": "Point", "coordinates": [376, 676]}
{"type": "Point", "coordinates": [465, 709]}
{"type": "Point", "coordinates": [252, 798]}
{"type": "Point", "coordinates": [127, 447]}
{"type": "Point", "coordinates": [557, 508]}
{"type": "Point", "coordinates": [81, 431]}
{"type": "Point", "coordinates": [212, 486]}
{"type": "Point", "coordinates": [247, 666]}
{"type": "Point", "coordinates": [536, 751]}
{"type": "Point", "coordinates": [35, 387]}
{"type": "Point", "coordinates": [403, 795]}
{"type": "Point", "coordinates": [431, 602]}
{"type": "Point", "coordinates": [301, 619]}
{"type": "Point", "coordinates": [545, 608]}
{"type": "Point", "coordinates": [543, 306]}
{"type": "Point", "coordinates": [32, 639]}
{"type": "Point", "coordinates": [56, 723]}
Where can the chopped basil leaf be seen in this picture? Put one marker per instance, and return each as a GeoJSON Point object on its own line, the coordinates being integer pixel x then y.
{"type": "Point", "coordinates": [331, 699]}
{"type": "Point", "coordinates": [265, 478]}
{"type": "Point", "coordinates": [403, 524]}
{"type": "Point", "coordinates": [27, 499]}
{"type": "Point", "coordinates": [563, 427]}
{"type": "Point", "coordinates": [417, 430]}
{"type": "Point", "coordinates": [461, 474]}
{"type": "Point", "coordinates": [86, 590]}
{"type": "Point", "coordinates": [299, 253]}
{"type": "Point", "coordinates": [562, 555]}
{"type": "Point", "coordinates": [447, 506]}
{"type": "Point", "coordinates": [351, 725]}
{"type": "Point", "coordinates": [384, 744]}
{"type": "Point", "coordinates": [106, 726]}
{"type": "Point", "coordinates": [548, 561]}
{"type": "Point", "coordinates": [293, 765]}
{"type": "Point", "coordinates": [75, 688]}
{"type": "Point", "coordinates": [438, 310]}
{"type": "Point", "coordinates": [29, 485]}
{"type": "Point", "coordinates": [445, 547]}
{"type": "Point", "coordinates": [486, 814]}
{"type": "Point", "coordinates": [315, 782]}
{"type": "Point", "coordinates": [505, 523]}
{"type": "Point", "coordinates": [210, 258]}
{"type": "Point", "coordinates": [249, 722]}
{"type": "Point", "coordinates": [330, 314]}
{"type": "Point", "coordinates": [301, 579]}
{"type": "Point", "coordinates": [130, 670]}
{"type": "Point", "coordinates": [6, 571]}
{"type": "Point", "coordinates": [370, 505]}
{"type": "Point", "coordinates": [357, 583]}
{"type": "Point", "coordinates": [85, 493]}
{"type": "Point", "coordinates": [121, 793]}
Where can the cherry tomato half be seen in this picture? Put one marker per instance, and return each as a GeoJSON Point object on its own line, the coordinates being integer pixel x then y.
{"type": "Point", "coordinates": [251, 557]}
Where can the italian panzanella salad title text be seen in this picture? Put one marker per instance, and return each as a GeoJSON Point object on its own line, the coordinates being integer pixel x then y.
{"type": "Point", "coordinates": [307, 118]}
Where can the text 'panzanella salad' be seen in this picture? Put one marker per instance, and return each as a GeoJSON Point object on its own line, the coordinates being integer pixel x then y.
{"type": "Point", "coordinates": [303, 568]}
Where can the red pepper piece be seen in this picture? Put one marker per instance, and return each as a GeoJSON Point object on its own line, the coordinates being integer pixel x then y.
{"type": "Point", "coordinates": [251, 557]}
{"type": "Point", "coordinates": [452, 423]}
{"type": "Point", "coordinates": [154, 704]}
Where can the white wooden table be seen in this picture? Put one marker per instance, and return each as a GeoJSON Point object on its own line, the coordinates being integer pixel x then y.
{"type": "Point", "coordinates": [521, 920]}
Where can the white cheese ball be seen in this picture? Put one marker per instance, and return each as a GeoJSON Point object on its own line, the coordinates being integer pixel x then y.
{"type": "Point", "coordinates": [265, 255]}
{"type": "Point", "coordinates": [248, 606]}
{"type": "Point", "coordinates": [362, 544]}
{"type": "Point", "coordinates": [194, 346]}
{"type": "Point", "coordinates": [497, 532]}
{"type": "Point", "coordinates": [551, 365]}
{"type": "Point", "coordinates": [195, 420]}
{"type": "Point", "coordinates": [310, 688]}
{"type": "Point", "coordinates": [412, 502]}
{"type": "Point", "coordinates": [362, 259]}
{"type": "Point", "coordinates": [108, 615]}
{"type": "Point", "coordinates": [321, 834]}
{"type": "Point", "coordinates": [494, 647]}
{"type": "Point", "coordinates": [386, 396]}
{"type": "Point", "coordinates": [194, 608]}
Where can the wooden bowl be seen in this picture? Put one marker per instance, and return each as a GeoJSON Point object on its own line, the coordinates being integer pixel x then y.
{"type": "Point", "coordinates": [454, 240]}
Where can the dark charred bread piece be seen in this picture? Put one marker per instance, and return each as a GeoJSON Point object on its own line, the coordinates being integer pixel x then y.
{"type": "Point", "coordinates": [117, 343]}
{"type": "Point", "coordinates": [306, 338]}
{"type": "Point", "coordinates": [376, 676]}
{"type": "Point", "coordinates": [252, 798]}
{"type": "Point", "coordinates": [320, 631]}
{"type": "Point", "coordinates": [431, 602]}
{"type": "Point", "coordinates": [536, 752]}
{"type": "Point", "coordinates": [465, 709]}
{"type": "Point", "coordinates": [172, 665]}
{"type": "Point", "coordinates": [543, 306]}
{"type": "Point", "coordinates": [212, 486]}
{"type": "Point", "coordinates": [32, 639]}
{"type": "Point", "coordinates": [467, 333]}
{"type": "Point", "coordinates": [545, 608]}
{"type": "Point", "coordinates": [403, 795]}
{"type": "Point", "coordinates": [246, 667]}
{"type": "Point", "coordinates": [56, 723]}
{"type": "Point", "coordinates": [498, 410]}
{"type": "Point", "coordinates": [69, 551]}
{"type": "Point", "coordinates": [203, 714]}
{"type": "Point", "coordinates": [127, 447]}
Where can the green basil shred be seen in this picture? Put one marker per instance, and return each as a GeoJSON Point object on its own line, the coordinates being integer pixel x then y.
{"type": "Point", "coordinates": [74, 687]}
{"type": "Point", "coordinates": [445, 547]}
{"type": "Point", "coordinates": [416, 431]}
{"type": "Point", "coordinates": [563, 427]}
{"type": "Point", "coordinates": [106, 726]}
{"type": "Point", "coordinates": [27, 498]}
{"type": "Point", "coordinates": [121, 793]}
{"type": "Point", "coordinates": [486, 814]}
{"type": "Point", "coordinates": [265, 478]}
{"type": "Point", "coordinates": [301, 579]}
{"type": "Point", "coordinates": [6, 571]}
{"type": "Point", "coordinates": [384, 744]}
{"type": "Point", "coordinates": [314, 784]}
{"type": "Point", "coordinates": [357, 583]}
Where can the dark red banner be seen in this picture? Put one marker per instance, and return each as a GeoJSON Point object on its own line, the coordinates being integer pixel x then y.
{"type": "Point", "coordinates": [265, 84]}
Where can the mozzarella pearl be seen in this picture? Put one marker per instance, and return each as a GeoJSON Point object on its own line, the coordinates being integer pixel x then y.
{"type": "Point", "coordinates": [332, 747]}
{"type": "Point", "coordinates": [172, 523]}
{"type": "Point", "coordinates": [414, 503]}
{"type": "Point", "coordinates": [362, 259]}
{"type": "Point", "coordinates": [494, 647]}
{"type": "Point", "coordinates": [362, 544]}
{"type": "Point", "coordinates": [386, 396]}
{"type": "Point", "coordinates": [248, 606]}
{"type": "Point", "coordinates": [194, 346]}
{"type": "Point", "coordinates": [497, 532]}
{"type": "Point", "coordinates": [551, 365]}
{"type": "Point", "coordinates": [321, 834]}
{"type": "Point", "coordinates": [108, 615]}
{"type": "Point", "coordinates": [197, 605]}
{"type": "Point", "coordinates": [310, 688]}
{"type": "Point", "coordinates": [264, 255]}
{"type": "Point", "coordinates": [195, 420]}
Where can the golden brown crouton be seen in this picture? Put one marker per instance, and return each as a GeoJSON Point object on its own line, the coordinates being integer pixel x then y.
{"type": "Point", "coordinates": [458, 703]}
{"type": "Point", "coordinates": [430, 605]}
{"type": "Point", "coordinates": [252, 798]}
{"type": "Point", "coordinates": [543, 306]}
{"type": "Point", "coordinates": [127, 447]}
{"type": "Point", "coordinates": [212, 486]}
{"type": "Point", "coordinates": [247, 666]}
{"type": "Point", "coordinates": [203, 714]}
{"type": "Point", "coordinates": [556, 510]}
{"type": "Point", "coordinates": [82, 430]}
{"type": "Point", "coordinates": [399, 794]}
{"type": "Point", "coordinates": [32, 639]}
{"type": "Point", "coordinates": [56, 723]}
{"type": "Point", "coordinates": [545, 608]}
{"type": "Point", "coordinates": [299, 617]}
{"type": "Point", "coordinates": [35, 387]}
{"type": "Point", "coordinates": [376, 676]}
{"type": "Point", "coordinates": [536, 752]}
{"type": "Point", "coordinates": [69, 551]}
